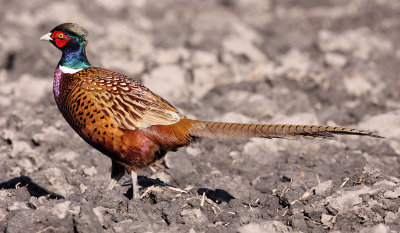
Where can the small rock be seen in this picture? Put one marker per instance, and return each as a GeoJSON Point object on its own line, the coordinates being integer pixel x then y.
{"type": "Point", "coordinates": [194, 151]}
{"type": "Point", "coordinates": [61, 209]}
{"type": "Point", "coordinates": [295, 64]}
{"type": "Point", "coordinates": [268, 226]}
{"type": "Point", "coordinates": [90, 171]}
{"type": "Point", "coordinates": [347, 199]}
{"type": "Point", "coordinates": [335, 59]}
{"type": "Point", "coordinates": [122, 226]}
{"type": "Point", "coordinates": [17, 206]}
{"type": "Point", "coordinates": [357, 85]}
{"type": "Point", "coordinates": [240, 47]}
{"type": "Point", "coordinates": [252, 228]}
{"type": "Point", "coordinates": [380, 228]}
{"type": "Point", "coordinates": [391, 217]}
{"type": "Point", "coordinates": [193, 216]}
{"type": "Point", "coordinates": [326, 219]}
{"type": "Point", "coordinates": [68, 156]}
{"type": "Point", "coordinates": [83, 188]}
{"type": "Point", "coordinates": [20, 148]}
{"type": "Point", "coordinates": [324, 189]}
{"type": "Point", "coordinates": [26, 165]}
{"type": "Point", "coordinates": [98, 211]}
{"type": "Point", "coordinates": [392, 194]}
{"type": "Point", "coordinates": [86, 220]}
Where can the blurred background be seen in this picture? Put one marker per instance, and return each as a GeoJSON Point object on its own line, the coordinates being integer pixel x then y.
{"type": "Point", "coordinates": [301, 62]}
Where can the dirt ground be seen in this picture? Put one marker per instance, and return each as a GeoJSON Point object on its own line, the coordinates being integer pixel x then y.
{"type": "Point", "coordinates": [302, 62]}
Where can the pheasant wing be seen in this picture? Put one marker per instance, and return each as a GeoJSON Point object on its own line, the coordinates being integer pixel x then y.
{"type": "Point", "coordinates": [129, 104]}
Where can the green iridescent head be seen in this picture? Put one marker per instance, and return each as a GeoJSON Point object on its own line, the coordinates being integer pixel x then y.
{"type": "Point", "coordinates": [71, 39]}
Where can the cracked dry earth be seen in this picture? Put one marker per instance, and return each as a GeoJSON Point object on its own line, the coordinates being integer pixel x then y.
{"type": "Point", "coordinates": [301, 62]}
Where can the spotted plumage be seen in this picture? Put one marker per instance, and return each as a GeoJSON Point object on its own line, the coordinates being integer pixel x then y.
{"type": "Point", "coordinates": [130, 124]}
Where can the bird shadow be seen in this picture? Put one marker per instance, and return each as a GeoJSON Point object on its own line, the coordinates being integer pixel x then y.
{"type": "Point", "coordinates": [34, 189]}
{"type": "Point", "coordinates": [217, 195]}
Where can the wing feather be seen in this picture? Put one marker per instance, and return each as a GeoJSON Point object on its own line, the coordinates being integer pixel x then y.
{"type": "Point", "coordinates": [129, 104]}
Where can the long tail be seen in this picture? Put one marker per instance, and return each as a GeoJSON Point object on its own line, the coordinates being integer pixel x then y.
{"type": "Point", "coordinates": [210, 129]}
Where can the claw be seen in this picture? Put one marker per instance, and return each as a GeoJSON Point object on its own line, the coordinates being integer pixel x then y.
{"type": "Point", "coordinates": [113, 182]}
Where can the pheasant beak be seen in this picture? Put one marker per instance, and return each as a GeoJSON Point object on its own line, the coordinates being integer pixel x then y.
{"type": "Point", "coordinates": [46, 37]}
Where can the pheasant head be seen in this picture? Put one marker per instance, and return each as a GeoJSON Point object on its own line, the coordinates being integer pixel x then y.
{"type": "Point", "coordinates": [71, 39]}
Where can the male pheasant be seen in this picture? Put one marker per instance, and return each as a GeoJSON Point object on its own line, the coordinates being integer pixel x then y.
{"type": "Point", "coordinates": [130, 124]}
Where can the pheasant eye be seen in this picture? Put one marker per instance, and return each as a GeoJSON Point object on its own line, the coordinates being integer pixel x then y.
{"type": "Point", "coordinates": [60, 38]}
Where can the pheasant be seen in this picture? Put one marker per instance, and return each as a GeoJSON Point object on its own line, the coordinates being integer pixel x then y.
{"type": "Point", "coordinates": [132, 125]}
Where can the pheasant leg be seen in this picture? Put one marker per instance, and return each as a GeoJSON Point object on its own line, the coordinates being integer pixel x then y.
{"type": "Point", "coordinates": [117, 172]}
{"type": "Point", "coordinates": [135, 185]}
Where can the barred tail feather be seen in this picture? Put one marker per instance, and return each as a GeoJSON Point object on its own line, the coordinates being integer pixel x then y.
{"type": "Point", "coordinates": [237, 130]}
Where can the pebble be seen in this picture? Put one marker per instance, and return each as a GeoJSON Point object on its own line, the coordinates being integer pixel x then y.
{"type": "Point", "coordinates": [240, 47]}
{"type": "Point", "coordinates": [61, 209]}
{"type": "Point", "coordinates": [392, 217]}
{"type": "Point", "coordinates": [326, 219]}
{"type": "Point", "coordinates": [335, 60]}
{"type": "Point", "coordinates": [346, 200]}
{"type": "Point", "coordinates": [357, 85]}
{"type": "Point", "coordinates": [392, 194]}
{"type": "Point", "coordinates": [380, 228]}
{"type": "Point", "coordinates": [193, 216]}
{"type": "Point", "coordinates": [17, 206]}
{"type": "Point", "coordinates": [267, 226]}
{"type": "Point", "coordinates": [90, 171]}
{"type": "Point", "coordinates": [20, 148]}
{"type": "Point", "coordinates": [324, 189]}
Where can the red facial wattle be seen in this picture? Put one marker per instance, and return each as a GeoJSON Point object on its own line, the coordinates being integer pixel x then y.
{"type": "Point", "coordinates": [60, 38]}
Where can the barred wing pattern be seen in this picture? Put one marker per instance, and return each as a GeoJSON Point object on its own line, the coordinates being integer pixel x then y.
{"type": "Point", "coordinates": [129, 104]}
